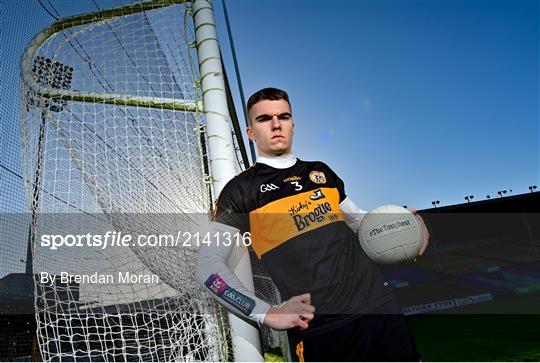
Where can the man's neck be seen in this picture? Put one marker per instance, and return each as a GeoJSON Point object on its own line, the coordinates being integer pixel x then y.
{"type": "Point", "coordinates": [279, 162]}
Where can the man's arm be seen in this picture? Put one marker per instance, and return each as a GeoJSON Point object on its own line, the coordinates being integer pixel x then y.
{"type": "Point", "coordinates": [215, 276]}
{"type": "Point", "coordinates": [352, 214]}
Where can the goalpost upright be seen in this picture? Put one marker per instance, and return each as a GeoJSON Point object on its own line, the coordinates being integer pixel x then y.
{"type": "Point", "coordinates": [246, 342]}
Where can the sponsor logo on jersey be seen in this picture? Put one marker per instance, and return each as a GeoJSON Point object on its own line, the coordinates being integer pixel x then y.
{"type": "Point", "coordinates": [318, 214]}
{"type": "Point", "coordinates": [317, 177]}
{"type": "Point", "coordinates": [299, 207]}
{"type": "Point", "coordinates": [283, 219]}
{"type": "Point", "coordinates": [292, 178]}
{"type": "Point", "coordinates": [268, 187]}
{"type": "Point", "coordinates": [303, 217]}
{"type": "Point", "coordinates": [318, 194]}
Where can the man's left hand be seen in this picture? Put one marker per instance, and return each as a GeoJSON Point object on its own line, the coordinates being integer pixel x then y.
{"type": "Point", "coordinates": [424, 229]}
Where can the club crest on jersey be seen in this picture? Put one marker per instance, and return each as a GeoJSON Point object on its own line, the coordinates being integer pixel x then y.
{"type": "Point", "coordinates": [268, 187]}
{"type": "Point", "coordinates": [317, 194]}
{"type": "Point", "coordinates": [317, 177]}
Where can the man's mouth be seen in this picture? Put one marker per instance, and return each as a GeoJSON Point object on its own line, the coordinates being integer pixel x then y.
{"type": "Point", "coordinates": [277, 137]}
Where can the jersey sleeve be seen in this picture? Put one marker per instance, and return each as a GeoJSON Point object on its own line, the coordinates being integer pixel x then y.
{"type": "Point", "coordinates": [352, 214]}
{"type": "Point", "coordinates": [231, 207]}
{"type": "Point", "coordinates": [215, 276]}
{"type": "Point", "coordinates": [339, 183]}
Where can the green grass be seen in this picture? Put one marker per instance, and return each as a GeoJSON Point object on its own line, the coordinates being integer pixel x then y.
{"type": "Point", "coordinates": [273, 355]}
{"type": "Point", "coordinates": [505, 329]}
{"type": "Point", "coordinates": [477, 337]}
{"type": "Point", "coordinates": [445, 337]}
{"type": "Point", "coordinates": [479, 333]}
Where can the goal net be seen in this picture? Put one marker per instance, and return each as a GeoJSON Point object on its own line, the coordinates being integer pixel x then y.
{"type": "Point", "coordinates": [112, 141]}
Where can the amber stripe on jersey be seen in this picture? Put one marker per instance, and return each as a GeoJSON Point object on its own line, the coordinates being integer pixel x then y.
{"type": "Point", "coordinates": [283, 219]}
{"type": "Point", "coordinates": [300, 351]}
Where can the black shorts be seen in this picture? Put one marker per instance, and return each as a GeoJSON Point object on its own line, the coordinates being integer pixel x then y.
{"type": "Point", "coordinates": [371, 337]}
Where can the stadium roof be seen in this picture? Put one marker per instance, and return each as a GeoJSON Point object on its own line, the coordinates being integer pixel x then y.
{"type": "Point", "coordinates": [529, 202]}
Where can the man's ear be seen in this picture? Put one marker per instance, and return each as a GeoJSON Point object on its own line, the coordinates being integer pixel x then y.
{"type": "Point", "coordinates": [249, 131]}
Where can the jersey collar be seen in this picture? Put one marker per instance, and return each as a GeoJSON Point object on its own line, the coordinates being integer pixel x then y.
{"type": "Point", "coordinates": [278, 162]}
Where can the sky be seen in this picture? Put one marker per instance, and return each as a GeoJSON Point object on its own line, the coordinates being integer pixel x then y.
{"type": "Point", "coordinates": [408, 101]}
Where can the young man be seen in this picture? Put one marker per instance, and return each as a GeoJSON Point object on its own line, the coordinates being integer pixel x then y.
{"type": "Point", "coordinates": [337, 306]}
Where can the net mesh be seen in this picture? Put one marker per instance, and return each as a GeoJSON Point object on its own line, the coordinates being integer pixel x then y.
{"type": "Point", "coordinates": [107, 144]}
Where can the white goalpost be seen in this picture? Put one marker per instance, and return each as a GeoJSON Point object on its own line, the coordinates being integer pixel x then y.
{"type": "Point", "coordinates": [124, 127]}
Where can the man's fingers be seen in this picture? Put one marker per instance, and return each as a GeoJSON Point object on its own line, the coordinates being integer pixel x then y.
{"type": "Point", "coordinates": [426, 241]}
{"type": "Point", "coordinates": [307, 317]}
{"type": "Point", "coordinates": [302, 324]}
{"type": "Point", "coordinates": [424, 245]}
{"type": "Point", "coordinates": [308, 308]}
{"type": "Point", "coordinates": [419, 217]}
{"type": "Point", "coordinates": [425, 233]}
{"type": "Point", "coordinates": [305, 298]}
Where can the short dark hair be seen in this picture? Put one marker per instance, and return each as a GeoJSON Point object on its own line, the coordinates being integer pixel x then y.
{"type": "Point", "coordinates": [271, 94]}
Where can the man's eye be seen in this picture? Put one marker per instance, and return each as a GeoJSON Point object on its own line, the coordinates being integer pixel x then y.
{"type": "Point", "coordinates": [285, 117]}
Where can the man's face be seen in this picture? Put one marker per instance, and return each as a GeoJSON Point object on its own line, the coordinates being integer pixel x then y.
{"type": "Point", "coordinates": [272, 127]}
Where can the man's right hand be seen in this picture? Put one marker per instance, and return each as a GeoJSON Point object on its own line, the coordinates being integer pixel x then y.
{"type": "Point", "coordinates": [295, 312]}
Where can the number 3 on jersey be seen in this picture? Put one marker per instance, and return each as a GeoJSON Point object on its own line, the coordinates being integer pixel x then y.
{"type": "Point", "coordinates": [297, 186]}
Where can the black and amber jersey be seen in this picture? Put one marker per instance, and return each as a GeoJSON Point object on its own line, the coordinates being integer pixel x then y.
{"type": "Point", "coordinates": [299, 234]}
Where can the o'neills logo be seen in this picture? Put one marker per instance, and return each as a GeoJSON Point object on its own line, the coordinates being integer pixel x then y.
{"type": "Point", "coordinates": [292, 178]}
{"type": "Point", "coordinates": [303, 221]}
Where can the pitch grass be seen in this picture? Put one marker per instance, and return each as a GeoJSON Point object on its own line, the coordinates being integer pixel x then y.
{"type": "Point", "coordinates": [273, 355]}
{"type": "Point", "coordinates": [505, 329]}
{"type": "Point", "coordinates": [471, 338]}
{"type": "Point", "coordinates": [477, 337]}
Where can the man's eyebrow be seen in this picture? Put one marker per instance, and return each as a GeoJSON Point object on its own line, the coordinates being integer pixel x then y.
{"type": "Point", "coordinates": [265, 115]}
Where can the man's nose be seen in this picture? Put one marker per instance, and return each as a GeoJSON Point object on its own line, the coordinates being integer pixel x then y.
{"type": "Point", "coordinates": [276, 123]}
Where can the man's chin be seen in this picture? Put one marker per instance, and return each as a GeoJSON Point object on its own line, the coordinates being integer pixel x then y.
{"type": "Point", "coordinates": [279, 152]}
